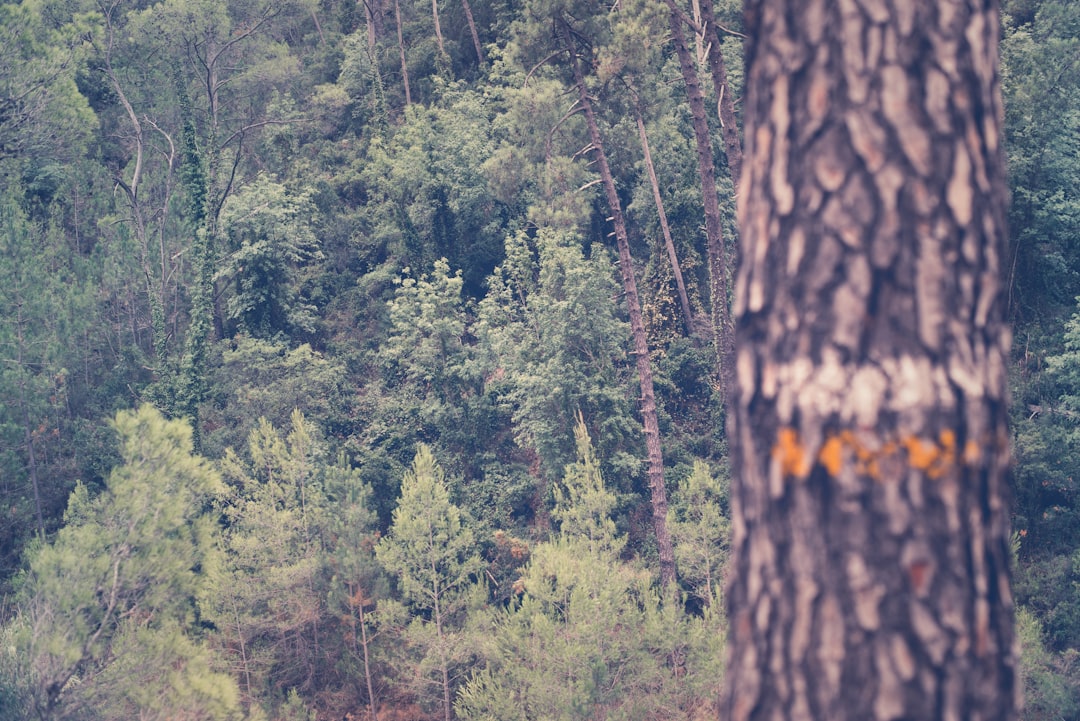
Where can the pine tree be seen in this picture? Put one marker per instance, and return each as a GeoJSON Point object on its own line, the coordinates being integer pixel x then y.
{"type": "Point", "coordinates": [434, 558]}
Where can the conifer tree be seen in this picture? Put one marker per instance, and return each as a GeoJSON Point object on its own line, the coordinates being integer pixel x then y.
{"type": "Point", "coordinates": [434, 558]}
{"type": "Point", "coordinates": [119, 586]}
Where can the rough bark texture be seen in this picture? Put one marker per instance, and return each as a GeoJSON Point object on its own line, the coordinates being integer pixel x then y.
{"type": "Point", "coordinates": [718, 273]}
{"type": "Point", "coordinates": [870, 526]}
{"type": "Point", "coordinates": [649, 417]}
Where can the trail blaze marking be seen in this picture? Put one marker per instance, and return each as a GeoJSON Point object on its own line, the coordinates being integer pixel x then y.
{"type": "Point", "coordinates": [934, 457]}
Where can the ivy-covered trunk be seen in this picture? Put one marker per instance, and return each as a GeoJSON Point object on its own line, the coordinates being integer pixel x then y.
{"type": "Point", "coordinates": [870, 523]}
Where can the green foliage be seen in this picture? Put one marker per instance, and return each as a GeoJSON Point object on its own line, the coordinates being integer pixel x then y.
{"type": "Point", "coordinates": [38, 314]}
{"type": "Point", "coordinates": [265, 597]}
{"type": "Point", "coordinates": [426, 196]}
{"type": "Point", "coordinates": [435, 392]}
{"type": "Point", "coordinates": [42, 113]}
{"type": "Point", "coordinates": [582, 505]}
{"type": "Point", "coordinates": [263, 267]}
{"type": "Point", "coordinates": [268, 244]}
{"type": "Point", "coordinates": [698, 520]}
{"type": "Point", "coordinates": [589, 636]}
{"type": "Point", "coordinates": [1051, 680]}
{"type": "Point", "coordinates": [557, 347]}
{"type": "Point", "coordinates": [428, 549]}
{"type": "Point", "coordinates": [1041, 84]}
{"type": "Point", "coordinates": [117, 587]}
{"type": "Point", "coordinates": [267, 379]}
{"type": "Point", "coordinates": [433, 556]}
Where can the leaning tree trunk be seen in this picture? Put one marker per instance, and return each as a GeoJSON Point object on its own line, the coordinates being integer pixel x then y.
{"type": "Point", "coordinates": [669, 242]}
{"type": "Point", "coordinates": [714, 237]}
{"type": "Point", "coordinates": [637, 325]}
{"type": "Point", "coordinates": [870, 569]}
{"type": "Point", "coordinates": [472, 31]}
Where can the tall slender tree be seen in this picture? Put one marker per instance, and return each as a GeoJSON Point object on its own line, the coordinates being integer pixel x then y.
{"type": "Point", "coordinates": [637, 325]}
{"type": "Point", "coordinates": [669, 242]}
{"type": "Point", "coordinates": [870, 522]}
{"type": "Point", "coordinates": [714, 234]}
{"type": "Point", "coordinates": [433, 556]}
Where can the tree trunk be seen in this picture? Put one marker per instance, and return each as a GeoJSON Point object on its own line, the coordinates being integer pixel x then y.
{"type": "Point", "coordinates": [717, 253]}
{"type": "Point", "coordinates": [28, 426]}
{"type": "Point", "coordinates": [401, 51]}
{"type": "Point", "coordinates": [367, 659]}
{"type": "Point", "coordinates": [369, 25]}
{"type": "Point", "coordinates": [637, 325]}
{"type": "Point", "coordinates": [669, 244]}
{"type": "Point", "coordinates": [472, 31]}
{"type": "Point", "coordinates": [870, 567]}
{"type": "Point", "coordinates": [444, 666]}
{"type": "Point", "coordinates": [729, 125]}
{"type": "Point", "coordinates": [438, 27]}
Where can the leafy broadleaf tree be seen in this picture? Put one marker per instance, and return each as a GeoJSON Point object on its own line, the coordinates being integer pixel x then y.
{"type": "Point", "coordinates": [268, 243]}
{"type": "Point", "coordinates": [553, 345]}
{"type": "Point", "coordinates": [433, 556]}
{"type": "Point", "coordinates": [435, 392]}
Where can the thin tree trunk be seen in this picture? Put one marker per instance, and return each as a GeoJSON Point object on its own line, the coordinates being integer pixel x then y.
{"type": "Point", "coordinates": [369, 22]}
{"type": "Point", "coordinates": [669, 244]}
{"type": "Point", "coordinates": [318, 26]}
{"type": "Point", "coordinates": [472, 31]}
{"type": "Point", "coordinates": [717, 253]}
{"type": "Point", "coordinates": [870, 548]}
{"type": "Point", "coordinates": [401, 51]}
{"type": "Point", "coordinates": [443, 665]}
{"type": "Point", "coordinates": [367, 661]}
{"type": "Point", "coordinates": [28, 435]}
{"type": "Point", "coordinates": [637, 325]}
{"type": "Point", "coordinates": [729, 124]}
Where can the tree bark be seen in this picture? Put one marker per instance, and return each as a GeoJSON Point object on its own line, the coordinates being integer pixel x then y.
{"type": "Point", "coordinates": [714, 234]}
{"type": "Point", "coordinates": [870, 567]}
{"type": "Point", "coordinates": [637, 324]}
{"type": "Point", "coordinates": [669, 243]}
{"type": "Point", "coordinates": [369, 25]}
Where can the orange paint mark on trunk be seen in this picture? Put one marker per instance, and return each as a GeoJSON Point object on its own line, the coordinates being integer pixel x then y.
{"type": "Point", "coordinates": [790, 454]}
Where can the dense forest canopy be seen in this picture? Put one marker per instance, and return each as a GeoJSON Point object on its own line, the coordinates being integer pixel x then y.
{"type": "Point", "coordinates": [323, 384]}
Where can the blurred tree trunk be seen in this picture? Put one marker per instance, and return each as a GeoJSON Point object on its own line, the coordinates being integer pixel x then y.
{"type": "Point", "coordinates": [870, 569]}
